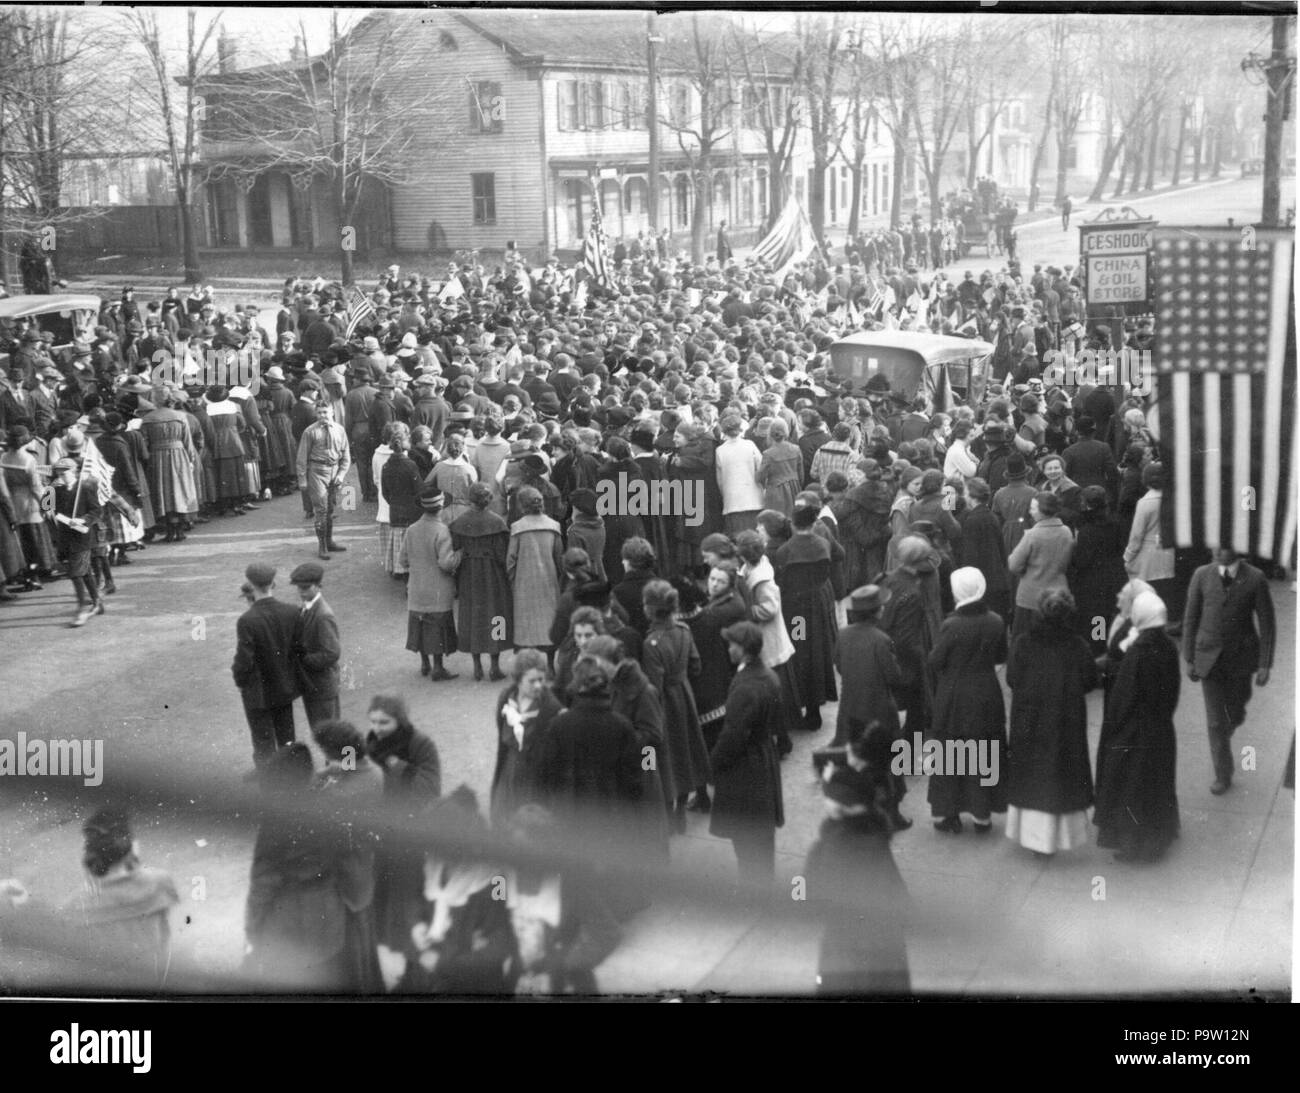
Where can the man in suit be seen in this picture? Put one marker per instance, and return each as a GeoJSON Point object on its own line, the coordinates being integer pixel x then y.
{"type": "Point", "coordinates": [264, 665]}
{"type": "Point", "coordinates": [1224, 650]}
{"type": "Point", "coordinates": [1089, 461]}
{"type": "Point", "coordinates": [316, 646]}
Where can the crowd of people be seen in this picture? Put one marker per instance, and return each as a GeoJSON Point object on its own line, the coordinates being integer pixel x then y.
{"type": "Point", "coordinates": [850, 546]}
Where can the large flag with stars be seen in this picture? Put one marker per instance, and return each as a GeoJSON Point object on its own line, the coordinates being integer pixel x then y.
{"type": "Point", "coordinates": [1225, 358]}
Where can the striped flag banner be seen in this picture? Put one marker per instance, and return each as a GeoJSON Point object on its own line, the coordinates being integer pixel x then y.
{"type": "Point", "coordinates": [1225, 357]}
{"type": "Point", "coordinates": [94, 464]}
{"type": "Point", "coordinates": [791, 240]}
{"type": "Point", "coordinates": [853, 319]}
{"type": "Point", "coordinates": [452, 290]}
{"type": "Point", "coordinates": [359, 309]}
{"type": "Point", "coordinates": [594, 260]}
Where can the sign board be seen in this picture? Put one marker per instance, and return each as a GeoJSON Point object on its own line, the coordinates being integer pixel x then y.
{"type": "Point", "coordinates": [1114, 259]}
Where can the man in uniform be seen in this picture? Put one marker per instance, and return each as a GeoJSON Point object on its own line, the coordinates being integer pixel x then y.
{"type": "Point", "coordinates": [323, 462]}
{"type": "Point", "coordinates": [263, 666]}
{"type": "Point", "coordinates": [316, 646]}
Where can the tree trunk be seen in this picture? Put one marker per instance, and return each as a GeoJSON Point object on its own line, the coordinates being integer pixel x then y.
{"type": "Point", "coordinates": [347, 236]}
{"type": "Point", "coordinates": [1153, 150]}
{"type": "Point", "coordinates": [1178, 148]}
{"type": "Point", "coordinates": [1108, 158]}
{"type": "Point", "coordinates": [856, 199]}
{"type": "Point", "coordinates": [901, 152]}
{"type": "Point", "coordinates": [817, 193]}
{"type": "Point", "coordinates": [1197, 149]}
{"type": "Point", "coordinates": [1039, 149]}
{"type": "Point", "coordinates": [189, 245]}
{"type": "Point", "coordinates": [1135, 162]}
{"type": "Point", "coordinates": [1216, 159]}
{"type": "Point", "coordinates": [776, 191]}
{"type": "Point", "coordinates": [700, 212]}
{"type": "Point", "coordinates": [1123, 175]}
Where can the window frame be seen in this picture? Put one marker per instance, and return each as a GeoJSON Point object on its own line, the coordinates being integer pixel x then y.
{"type": "Point", "coordinates": [480, 94]}
{"type": "Point", "coordinates": [489, 200]}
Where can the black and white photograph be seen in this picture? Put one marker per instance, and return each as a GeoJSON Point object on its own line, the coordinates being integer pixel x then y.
{"type": "Point", "coordinates": [592, 502]}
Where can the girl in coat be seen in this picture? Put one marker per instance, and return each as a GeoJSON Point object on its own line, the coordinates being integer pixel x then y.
{"type": "Point", "coordinates": [763, 596]}
{"type": "Point", "coordinates": [399, 497]}
{"type": "Point", "coordinates": [533, 564]}
{"type": "Point", "coordinates": [428, 554]}
{"type": "Point", "coordinates": [1146, 556]}
{"type": "Point", "coordinates": [968, 706]}
{"type": "Point", "coordinates": [1050, 673]}
{"type": "Point", "coordinates": [412, 774]}
{"type": "Point", "coordinates": [853, 878]}
{"type": "Point", "coordinates": [669, 657]}
{"type": "Point", "coordinates": [524, 713]}
{"type": "Point", "coordinates": [723, 607]}
{"type": "Point", "coordinates": [483, 596]}
{"type": "Point", "coordinates": [1137, 802]}
{"type": "Point", "coordinates": [747, 799]}
{"type": "Point", "coordinates": [803, 572]}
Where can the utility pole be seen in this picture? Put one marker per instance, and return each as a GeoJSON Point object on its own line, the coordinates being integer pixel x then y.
{"type": "Point", "coordinates": [1279, 71]}
{"type": "Point", "coordinates": [652, 39]}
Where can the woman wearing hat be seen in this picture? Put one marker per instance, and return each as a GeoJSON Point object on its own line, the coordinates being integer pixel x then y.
{"type": "Point", "coordinates": [123, 527]}
{"type": "Point", "coordinates": [276, 402]}
{"type": "Point", "coordinates": [1096, 572]}
{"type": "Point", "coordinates": [427, 553]}
{"type": "Point", "coordinates": [26, 488]}
{"type": "Point", "coordinates": [534, 561]}
{"type": "Point", "coordinates": [803, 567]}
{"type": "Point", "coordinates": [762, 595]}
{"type": "Point", "coordinates": [853, 880]}
{"type": "Point", "coordinates": [483, 593]}
{"type": "Point", "coordinates": [228, 454]}
{"type": "Point", "coordinates": [399, 486]}
{"type": "Point", "coordinates": [900, 521]}
{"type": "Point", "coordinates": [524, 712]}
{"type": "Point", "coordinates": [1050, 672]}
{"type": "Point", "coordinates": [747, 800]}
{"type": "Point", "coordinates": [1041, 559]}
{"type": "Point", "coordinates": [669, 657]}
{"type": "Point", "coordinates": [1146, 556]}
{"type": "Point", "coordinates": [1137, 802]}
{"type": "Point", "coordinates": [968, 705]}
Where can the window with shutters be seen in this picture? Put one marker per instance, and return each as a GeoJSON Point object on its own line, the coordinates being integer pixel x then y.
{"type": "Point", "coordinates": [680, 104]}
{"type": "Point", "coordinates": [486, 107]}
{"type": "Point", "coordinates": [593, 104]}
{"type": "Point", "coordinates": [567, 99]}
{"type": "Point", "coordinates": [484, 187]}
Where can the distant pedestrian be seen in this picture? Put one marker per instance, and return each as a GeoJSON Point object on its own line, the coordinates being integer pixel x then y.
{"type": "Point", "coordinates": [1067, 207]}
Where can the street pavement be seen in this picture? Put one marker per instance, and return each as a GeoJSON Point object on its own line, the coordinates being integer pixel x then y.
{"type": "Point", "coordinates": [152, 677]}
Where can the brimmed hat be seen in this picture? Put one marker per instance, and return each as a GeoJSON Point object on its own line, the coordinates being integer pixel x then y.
{"type": "Point", "coordinates": [1016, 467]}
{"type": "Point", "coordinates": [869, 598]}
{"type": "Point", "coordinates": [432, 499]}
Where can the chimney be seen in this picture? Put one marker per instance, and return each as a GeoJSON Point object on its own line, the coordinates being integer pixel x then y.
{"type": "Point", "coordinates": [227, 56]}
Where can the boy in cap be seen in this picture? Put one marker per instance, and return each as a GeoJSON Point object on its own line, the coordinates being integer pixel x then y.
{"type": "Point", "coordinates": [316, 646]}
{"type": "Point", "coordinates": [264, 669]}
{"type": "Point", "coordinates": [77, 511]}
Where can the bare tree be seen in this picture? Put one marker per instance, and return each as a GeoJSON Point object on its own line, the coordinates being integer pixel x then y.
{"type": "Point", "coordinates": [822, 88]}
{"type": "Point", "coordinates": [178, 113]}
{"type": "Point", "coordinates": [897, 48]}
{"type": "Point", "coordinates": [995, 62]}
{"type": "Point", "coordinates": [702, 107]}
{"type": "Point", "coordinates": [773, 68]}
{"type": "Point", "coordinates": [947, 87]}
{"type": "Point", "coordinates": [353, 116]}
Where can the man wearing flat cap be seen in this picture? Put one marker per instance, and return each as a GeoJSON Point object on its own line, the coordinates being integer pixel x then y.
{"type": "Point", "coordinates": [264, 668]}
{"type": "Point", "coordinates": [316, 646]}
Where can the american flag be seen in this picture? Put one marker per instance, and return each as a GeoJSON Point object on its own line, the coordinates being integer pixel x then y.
{"type": "Point", "coordinates": [1225, 357]}
{"type": "Point", "coordinates": [594, 261]}
{"type": "Point", "coordinates": [359, 309]}
{"type": "Point", "coordinates": [791, 240]}
{"type": "Point", "coordinates": [94, 465]}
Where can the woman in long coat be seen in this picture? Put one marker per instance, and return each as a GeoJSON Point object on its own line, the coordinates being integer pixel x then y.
{"type": "Point", "coordinates": [716, 670]}
{"type": "Point", "coordinates": [276, 401]}
{"type": "Point", "coordinates": [23, 478]}
{"type": "Point", "coordinates": [780, 472]}
{"type": "Point", "coordinates": [427, 553]}
{"type": "Point", "coordinates": [1137, 801]}
{"type": "Point", "coordinates": [483, 594]}
{"type": "Point", "coordinates": [228, 452]}
{"type": "Point", "coordinates": [399, 492]}
{"type": "Point", "coordinates": [619, 527]}
{"type": "Point", "coordinates": [669, 658]}
{"type": "Point", "coordinates": [748, 805]}
{"type": "Point", "coordinates": [172, 461]}
{"type": "Point", "coordinates": [803, 572]}
{"type": "Point", "coordinates": [1050, 673]}
{"type": "Point", "coordinates": [853, 879]}
{"type": "Point", "coordinates": [533, 564]}
{"type": "Point", "coordinates": [454, 475]}
{"type": "Point", "coordinates": [524, 713]}
{"type": "Point", "coordinates": [693, 464]}
{"type": "Point", "coordinates": [412, 774]}
{"type": "Point", "coordinates": [968, 706]}
{"type": "Point", "coordinates": [1096, 572]}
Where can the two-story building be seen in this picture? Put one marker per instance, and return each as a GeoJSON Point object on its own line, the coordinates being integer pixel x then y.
{"type": "Point", "coordinates": [540, 117]}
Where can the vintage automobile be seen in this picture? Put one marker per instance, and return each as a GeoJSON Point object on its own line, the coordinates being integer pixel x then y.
{"type": "Point", "coordinates": [945, 370]}
{"type": "Point", "coordinates": [69, 317]}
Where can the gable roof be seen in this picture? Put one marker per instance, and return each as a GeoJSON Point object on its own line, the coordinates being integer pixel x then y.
{"type": "Point", "coordinates": [616, 39]}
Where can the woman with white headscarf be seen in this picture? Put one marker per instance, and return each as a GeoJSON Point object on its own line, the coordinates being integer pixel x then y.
{"type": "Point", "coordinates": [1137, 801]}
{"type": "Point", "coordinates": [969, 709]}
